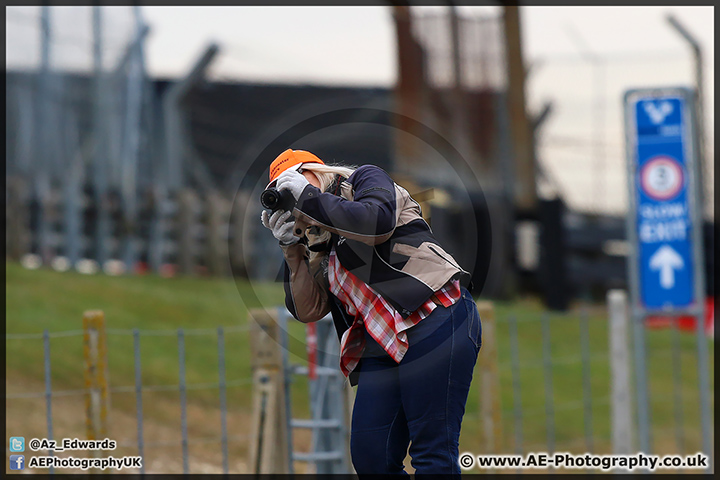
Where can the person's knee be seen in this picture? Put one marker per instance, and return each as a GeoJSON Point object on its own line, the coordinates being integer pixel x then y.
{"type": "Point", "coordinates": [371, 453]}
{"type": "Point", "coordinates": [434, 447]}
{"type": "Point", "coordinates": [367, 455]}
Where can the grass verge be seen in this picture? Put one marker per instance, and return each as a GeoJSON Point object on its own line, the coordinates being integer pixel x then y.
{"type": "Point", "coordinates": [578, 421]}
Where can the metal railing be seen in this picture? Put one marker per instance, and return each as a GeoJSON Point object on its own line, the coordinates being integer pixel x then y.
{"type": "Point", "coordinates": [138, 388]}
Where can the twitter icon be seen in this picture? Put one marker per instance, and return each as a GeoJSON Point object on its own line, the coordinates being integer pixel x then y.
{"type": "Point", "coordinates": [17, 444]}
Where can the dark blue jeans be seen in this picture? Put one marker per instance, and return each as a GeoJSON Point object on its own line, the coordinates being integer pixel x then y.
{"type": "Point", "coordinates": [419, 402]}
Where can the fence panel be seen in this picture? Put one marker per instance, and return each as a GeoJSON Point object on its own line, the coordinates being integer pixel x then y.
{"type": "Point", "coordinates": [183, 231]}
{"type": "Point", "coordinates": [74, 424]}
{"type": "Point", "coordinates": [554, 380]}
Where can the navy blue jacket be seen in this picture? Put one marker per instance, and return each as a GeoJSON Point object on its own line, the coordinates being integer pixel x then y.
{"type": "Point", "coordinates": [379, 235]}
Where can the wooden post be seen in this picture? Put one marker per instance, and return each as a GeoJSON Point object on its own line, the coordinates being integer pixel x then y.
{"type": "Point", "coordinates": [269, 442]}
{"type": "Point", "coordinates": [490, 402]}
{"type": "Point", "coordinates": [97, 397]}
{"type": "Point", "coordinates": [524, 190]}
{"type": "Point", "coordinates": [410, 90]}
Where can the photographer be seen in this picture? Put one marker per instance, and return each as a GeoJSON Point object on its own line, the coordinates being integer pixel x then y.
{"type": "Point", "coordinates": [356, 245]}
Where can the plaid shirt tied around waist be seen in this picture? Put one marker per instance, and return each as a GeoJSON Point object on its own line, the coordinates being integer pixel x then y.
{"type": "Point", "coordinates": [382, 320]}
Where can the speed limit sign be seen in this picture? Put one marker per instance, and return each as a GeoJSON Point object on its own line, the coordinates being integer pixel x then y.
{"type": "Point", "coordinates": [661, 178]}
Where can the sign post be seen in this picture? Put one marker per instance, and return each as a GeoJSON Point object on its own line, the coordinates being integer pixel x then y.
{"type": "Point", "coordinates": [664, 227]}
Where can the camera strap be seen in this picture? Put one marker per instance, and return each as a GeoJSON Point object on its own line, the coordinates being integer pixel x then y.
{"type": "Point", "coordinates": [338, 181]}
{"type": "Point", "coordinates": [319, 247]}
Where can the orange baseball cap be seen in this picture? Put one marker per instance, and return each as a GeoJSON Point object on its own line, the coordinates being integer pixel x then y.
{"type": "Point", "coordinates": [290, 159]}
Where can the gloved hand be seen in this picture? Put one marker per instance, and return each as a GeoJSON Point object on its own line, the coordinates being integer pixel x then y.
{"type": "Point", "coordinates": [281, 223]}
{"type": "Point", "coordinates": [293, 181]}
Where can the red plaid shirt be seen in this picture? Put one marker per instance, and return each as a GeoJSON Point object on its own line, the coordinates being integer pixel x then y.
{"type": "Point", "coordinates": [381, 320]}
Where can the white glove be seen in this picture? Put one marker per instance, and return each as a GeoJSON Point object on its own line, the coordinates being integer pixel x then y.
{"type": "Point", "coordinates": [293, 181]}
{"type": "Point", "coordinates": [281, 223]}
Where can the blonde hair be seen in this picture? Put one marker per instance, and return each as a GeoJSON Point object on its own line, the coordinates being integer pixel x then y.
{"type": "Point", "coordinates": [326, 176]}
{"type": "Point", "coordinates": [326, 173]}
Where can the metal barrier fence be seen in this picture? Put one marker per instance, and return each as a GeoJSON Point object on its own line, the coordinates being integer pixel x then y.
{"type": "Point", "coordinates": [190, 231]}
{"type": "Point", "coordinates": [553, 389]}
{"type": "Point", "coordinates": [138, 388]}
{"type": "Point", "coordinates": [97, 390]}
{"type": "Point", "coordinates": [556, 402]}
{"type": "Point", "coordinates": [546, 366]}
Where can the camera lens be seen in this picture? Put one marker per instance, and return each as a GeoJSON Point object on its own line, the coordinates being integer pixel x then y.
{"type": "Point", "coordinates": [270, 198]}
{"type": "Point", "coordinates": [275, 199]}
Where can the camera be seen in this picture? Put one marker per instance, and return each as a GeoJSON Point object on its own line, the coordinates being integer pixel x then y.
{"type": "Point", "coordinates": [275, 199]}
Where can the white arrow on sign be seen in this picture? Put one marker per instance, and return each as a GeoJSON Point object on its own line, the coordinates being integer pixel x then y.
{"type": "Point", "coordinates": [667, 260]}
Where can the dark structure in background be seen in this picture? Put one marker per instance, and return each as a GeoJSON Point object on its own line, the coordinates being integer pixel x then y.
{"type": "Point", "coordinates": [553, 244]}
{"type": "Point", "coordinates": [225, 129]}
{"type": "Point", "coordinates": [466, 78]}
{"type": "Point", "coordinates": [451, 79]}
{"type": "Point", "coordinates": [226, 120]}
{"type": "Point", "coordinates": [102, 165]}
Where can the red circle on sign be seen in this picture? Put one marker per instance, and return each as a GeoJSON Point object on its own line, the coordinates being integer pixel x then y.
{"type": "Point", "coordinates": [662, 178]}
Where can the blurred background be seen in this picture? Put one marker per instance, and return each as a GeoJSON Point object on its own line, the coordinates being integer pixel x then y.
{"type": "Point", "coordinates": [138, 140]}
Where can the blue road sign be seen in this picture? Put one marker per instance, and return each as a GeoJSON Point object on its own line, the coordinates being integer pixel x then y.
{"type": "Point", "coordinates": [664, 226]}
{"type": "Point", "coordinates": [660, 138]}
